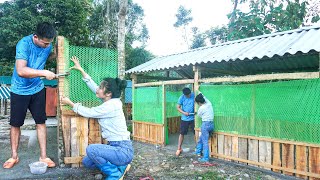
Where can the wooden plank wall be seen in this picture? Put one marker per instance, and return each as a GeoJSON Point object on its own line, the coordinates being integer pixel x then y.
{"type": "Point", "coordinates": [173, 124]}
{"type": "Point", "coordinates": [78, 132]}
{"type": "Point", "coordinates": [148, 132]}
{"type": "Point", "coordinates": [288, 157]}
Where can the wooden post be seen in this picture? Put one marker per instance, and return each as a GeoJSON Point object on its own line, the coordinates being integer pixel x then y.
{"type": "Point", "coordinates": [197, 76]}
{"type": "Point", "coordinates": [134, 81]}
{"type": "Point", "coordinates": [164, 115]}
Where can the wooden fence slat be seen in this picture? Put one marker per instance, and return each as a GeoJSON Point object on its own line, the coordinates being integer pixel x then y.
{"type": "Point", "coordinates": [227, 146]}
{"type": "Point", "coordinates": [235, 146]}
{"type": "Point", "coordinates": [214, 147]}
{"type": "Point", "coordinates": [94, 132]}
{"type": "Point", "coordinates": [74, 140]}
{"type": "Point", "coordinates": [314, 161]}
{"type": "Point", "coordinates": [83, 132]}
{"type": "Point", "coordinates": [66, 133]}
{"type": "Point", "coordinates": [288, 157]}
{"type": "Point", "coordinates": [220, 144]}
{"type": "Point", "coordinates": [253, 150]}
{"type": "Point", "coordinates": [265, 152]}
{"type": "Point", "coordinates": [276, 156]}
{"type": "Point", "coordinates": [301, 160]}
{"type": "Point", "coordinates": [243, 148]}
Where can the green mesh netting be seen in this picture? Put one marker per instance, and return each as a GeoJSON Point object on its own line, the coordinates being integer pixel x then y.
{"type": "Point", "coordinates": [148, 104]}
{"type": "Point", "coordinates": [97, 62]}
{"type": "Point", "coordinates": [288, 110]}
{"type": "Point", "coordinates": [172, 96]}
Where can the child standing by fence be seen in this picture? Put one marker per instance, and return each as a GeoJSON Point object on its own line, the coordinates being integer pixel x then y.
{"type": "Point", "coordinates": [205, 112]}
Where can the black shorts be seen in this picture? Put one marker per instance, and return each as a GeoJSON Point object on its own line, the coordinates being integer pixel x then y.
{"type": "Point", "coordinates": [36, 104]}
{"type": "Point", "coordinates": [184, 126]}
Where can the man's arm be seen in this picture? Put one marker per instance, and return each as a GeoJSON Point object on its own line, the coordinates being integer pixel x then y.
{"type": "Point", "coordinates": [24, 71]}
{"type": "Point", "coordinates": [180, 110]}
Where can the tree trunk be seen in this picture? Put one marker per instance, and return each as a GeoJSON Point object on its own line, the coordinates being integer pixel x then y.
{"type": "Point", "coordinates": [121, 37]}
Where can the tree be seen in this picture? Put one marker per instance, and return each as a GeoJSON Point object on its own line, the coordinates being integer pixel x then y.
{"type": "Point", "coordinates": [268, 16]}
{"type": "Point", "coordinates": [183, 19]}
{"type": "Point", "coordinates": [217, 34]}
{"type": "Point", "coordinates": [198, 39]}
{"type": "Point", "coordinates": [137, 56]}
{"type": "Point", "coordinates": [121, 37]}
{"type": "Point", "coordinates": [19, 18]}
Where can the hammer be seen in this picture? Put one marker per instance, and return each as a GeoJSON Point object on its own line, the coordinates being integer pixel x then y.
{"type": "Point", "coordinates": [60, 75]}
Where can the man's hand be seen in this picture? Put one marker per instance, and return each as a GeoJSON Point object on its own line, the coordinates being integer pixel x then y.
{"type": "Point", "coordinates": [49, 75]}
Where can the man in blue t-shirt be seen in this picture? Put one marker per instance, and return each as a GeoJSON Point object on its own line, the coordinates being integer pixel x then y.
{"type": "Point", "coordinates": [186, 107]}
{"type": "Point", "coordinates": [27, 89]}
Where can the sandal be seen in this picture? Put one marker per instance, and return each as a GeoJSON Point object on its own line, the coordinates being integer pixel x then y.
{"type": "Point", "coordinates": [178, 152]}
{"type": "Point", "coordinates": [10, 163]}
{"type": "Point", "coordinates": [49, 162]}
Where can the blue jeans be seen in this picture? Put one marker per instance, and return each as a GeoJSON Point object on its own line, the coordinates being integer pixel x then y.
{"type": "Point", "coordinates": [203, 142]}
{"type": "Point", "coordinates": [118, 153]}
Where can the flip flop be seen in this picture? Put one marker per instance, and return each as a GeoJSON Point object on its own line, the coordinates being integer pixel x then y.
{"type": "Point", "coordinates": [10, 163]}
{"type": "Point", "coordinates": [48, 161]}
{"type": "Point", "coordinates": [178, 152]}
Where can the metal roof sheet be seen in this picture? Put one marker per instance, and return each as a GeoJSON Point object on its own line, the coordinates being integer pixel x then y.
{"type": "Point", "coordinates": [291, 42]}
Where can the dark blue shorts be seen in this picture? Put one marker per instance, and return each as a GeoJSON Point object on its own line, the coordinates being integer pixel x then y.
{"type": "Point", "coordinates": [19, 105]}
{"type": "Point", "coordinates": [184, 126]}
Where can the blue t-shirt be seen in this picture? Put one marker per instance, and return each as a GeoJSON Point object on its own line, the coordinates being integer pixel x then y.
{"type": "Point", "coordinates": [187, 105]}
{"type": "Point", "coordinates": [36, 58]}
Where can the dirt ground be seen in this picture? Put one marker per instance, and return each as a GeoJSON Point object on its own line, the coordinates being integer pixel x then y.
{"type": "Point", "coordinates": [150, 162]}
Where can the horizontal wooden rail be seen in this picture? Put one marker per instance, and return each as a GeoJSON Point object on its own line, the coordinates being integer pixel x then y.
{"type": "Point", "coordinates": [149, 123]}
{"type": "Point", "coordinates": [268, 165]}
{"type": "Point", "coordinates": [267, 139]}
{"type": "Point", "coordinates": [263, 77]}
{"type": "Point", "coordinates": [173, 82]}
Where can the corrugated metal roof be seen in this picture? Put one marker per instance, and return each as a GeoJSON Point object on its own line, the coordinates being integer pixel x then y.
{"type": "Point", "coordinates": [299, 41]}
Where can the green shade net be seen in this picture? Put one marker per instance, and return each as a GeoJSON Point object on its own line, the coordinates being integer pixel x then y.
{"type": "Point", "coordinates": [288, 110]}
{"type": "Point", "coordinates": [97, 62]}
{"type": "Point", "coordinates": [148, 104]}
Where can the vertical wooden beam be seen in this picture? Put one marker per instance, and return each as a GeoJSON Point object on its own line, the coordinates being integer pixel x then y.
{"type": "Point", "coordinates": [94, 132]}
{"type": "Point", "coordinates": [314, 161]}
{"type": "Point", "coordinates": [253, 150]}
{"type": "Point", "coordinates": [197, 76]}
{"type": "Point", "coordinates": [164, 115]}
{"type": "Point", "coordinates": [288, 157]}
{"type": "Point", "coordinates": [220, 144]}
{"type": "Point", "coordinates": [235, 147]}
{"type": "Point", "coordinates": [227, 146]}
{"type": "Point", "coordinates": [243, 148]}
{"type": "Point", "coordinates": [66, 132]}
{"type": "Point", "coordinates": [83, 133]}
{"type": "Point", "coordinates": [265, 152]}
{"type": "Point", "coordinates": [74, 140]}
{"type": "Point", "coordinates": [214, 146]}
{"type": "Point", "coordinates": [301, 160]}
{"type": "Point", "coordinates": [276, 155]}
{"type": "Point", "coordinates": [134, 81]}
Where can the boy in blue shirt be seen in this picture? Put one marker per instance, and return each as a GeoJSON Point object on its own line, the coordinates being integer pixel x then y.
{"type": "Point", "coordinates": [27, 89]}
{"type": "Point", "coordinates": [186, 107]}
